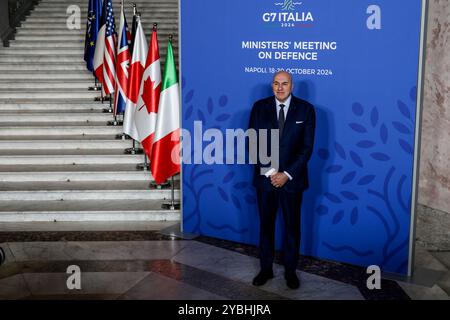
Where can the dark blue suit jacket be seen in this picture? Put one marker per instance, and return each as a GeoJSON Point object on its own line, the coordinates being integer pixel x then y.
{"type": "Point", "coordinates": [296, 144]}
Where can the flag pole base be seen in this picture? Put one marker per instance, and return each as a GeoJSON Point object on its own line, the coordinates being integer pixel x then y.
{"type": "Point", "coordinates": [122, 136]}
{"type": "Point", "coordinates": [164, 185]}
{"type": "Point", "coordinates": [115, 123]}
{"type": "Point", "coordinates": [102, 99]}
{"type": "Point", "coordinates": [143, 166]}
{"type": "Point", "coordinates": [107, 110]}
{"type": "Point", "coordinates": [171, 205]}
{"type": "Point", "coordinates": [95, 88]}
{"type": "Point", "coordinates": [133, 151]}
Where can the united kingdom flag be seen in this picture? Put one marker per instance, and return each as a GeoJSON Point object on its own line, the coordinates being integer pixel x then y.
{"type": "Point", "coordinates": [122, 66]}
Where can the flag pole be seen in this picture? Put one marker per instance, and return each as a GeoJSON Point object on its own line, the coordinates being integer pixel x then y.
{"type": "Point", "coordinates": [96, 86]}
{"type": "Point", "coordinates": [114, 122]}
{"type": "Point", "coordinates": [144, 166]}
{"type": "Point", "coordinates": [172, 204]}
{"type": "Point", "coordinates": [133, 149]}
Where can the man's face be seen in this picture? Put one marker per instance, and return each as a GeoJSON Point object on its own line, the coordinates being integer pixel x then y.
{"type": "Point", "coordinates": [282, 86]}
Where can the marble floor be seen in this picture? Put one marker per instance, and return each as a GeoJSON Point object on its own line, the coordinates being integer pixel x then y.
{"type": "Point", "coordinates": [122, 263]}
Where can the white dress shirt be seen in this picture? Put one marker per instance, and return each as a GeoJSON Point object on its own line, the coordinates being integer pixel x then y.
{"type": "Point", "coordinates": [286, 108]}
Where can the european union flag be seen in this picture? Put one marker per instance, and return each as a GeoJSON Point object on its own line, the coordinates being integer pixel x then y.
{"type": "Point", "coordinates": [92, 27]}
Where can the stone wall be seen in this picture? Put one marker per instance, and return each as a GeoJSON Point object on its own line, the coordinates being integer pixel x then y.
{"type": "Point", "coordinates": [433, 224]}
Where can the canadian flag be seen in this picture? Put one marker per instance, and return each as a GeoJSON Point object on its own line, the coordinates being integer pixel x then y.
{"type": "Point", "coordinates": [134, 86]}
{"type": "Point", "coordinates": [147, 106]}
{"type": "Point", "coordinates": [165, 160]}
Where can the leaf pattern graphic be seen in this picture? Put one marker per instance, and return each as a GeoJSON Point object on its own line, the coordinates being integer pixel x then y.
{"type": "Point", "coordinates": [210, 106]}
{"type": "Point", "coordinates": [404, 110]}
{"type": "Point", "coordinates": [333, 198]}
{"type": "Point", "coordinates": [366, 180]}
{"type": "Point", "coordinates": [358, 128]}
{"type": "Point", "coordinates": [338, 217]}
{"type": "Point", "coordinates": [358, 109]}
{"type": "Point", "coordinates": [406, 146]}
{"type": "Point", "coordinates": [189, 96]}
{"type": "Point", "coordinates": [340, 150]}
{"type": "Point", "coordinates": [356, 159]}
{"type": "Point", "coordinates": [374, 116]}
{"type": "Point", "coordinates": [223, 194]}
{"type": "Point", "coordinates": [380, 156]}
{"type": "Point", "coordinates": [401, 127]}
{"type": "Point", "coordinates": [223, 100]}
{"type": "Point", "coordinates": [383, 133]}
{"type": "Point", "coordinates": [348, 177]}
{"type": "Point", "coordinates": [366, 144]}
{"type": "Point", "coordinates": [228, 177]}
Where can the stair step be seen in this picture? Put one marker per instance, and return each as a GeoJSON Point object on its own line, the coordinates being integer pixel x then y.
{"type": "Point", "coordinates": [42, 58]}
{"type": "Point", "coordinates": [162, 34]}
{"type": "Point", "coordinates": [92, 216]}
{"type": "Point", "coordinates": [43, 108]}
{"type": "Point", "coordinates": [49, 94]}
{"type": "Point", "coordinates": [88, 205]}
{"type": "Point", "coordinates": [62, 151]}
{"type": "Point", "coordinates": [61, 144]}
{"type": "Point", "coordinates": [55, 84]}
{"type": "Point", "coordinates": [42, 66]}
{"type": "Point", "coordinates": [48, 118]}
{"type": "Point", "coordinates": [19, 75]}
{"type": "Point", "coordinates": [76, 176]}
{"type": "Point", "coordinates": [37, 168]}
{"type": "Point", "coordinates": [79, 52]}
{"type": "Point", "coordinates": [143, 7]}
{"type": "Point", "coordinates": [69, 161]}
{"type": "Point", "coordinates": [168, 14]}
{"type": "Point", "coordinates": [41, 44]}
{"type": "Point", "coordinates": [60, 130]}
{"type": "Point", "coordinates": [52, 33]}
{"type": "Point", "coordinates": [82, 195]}
{"type": "Point", "coordinates": [140, 4]}
{"type": "Point", "coordinates": [93, 186]}
{"type": "Point", "coordinates": [87, 210]}
{"type": "Point", "coordinates": [34, 137]}
{"type": "Point", "coordinates": [25, 101]}
{"type": "Point", "coordinates": [15, 44]}
{"type": "Point", "coordinates": [49, 25]}
{"type": "Point", "coordinates": [74, 51]}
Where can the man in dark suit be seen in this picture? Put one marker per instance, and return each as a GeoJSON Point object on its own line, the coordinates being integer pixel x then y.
{"type": "Point", "coordinates": [282, 187]}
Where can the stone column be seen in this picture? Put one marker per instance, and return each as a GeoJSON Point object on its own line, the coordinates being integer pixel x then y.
{"type": "Point", "coordinates": [433, 228]}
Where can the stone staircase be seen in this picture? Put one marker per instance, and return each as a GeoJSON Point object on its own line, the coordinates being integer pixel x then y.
{"type": "Point", "coordinates": [59, 160]}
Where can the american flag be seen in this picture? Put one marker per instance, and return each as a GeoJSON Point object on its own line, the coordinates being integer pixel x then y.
{"type": "Point", "coordinates": [109, 58]}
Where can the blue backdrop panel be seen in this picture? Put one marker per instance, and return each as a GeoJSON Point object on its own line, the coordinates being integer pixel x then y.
{"type": "Point", "coordinates": [363, 86]}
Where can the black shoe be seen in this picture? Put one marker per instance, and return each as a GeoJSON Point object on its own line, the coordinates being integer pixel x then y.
{"type": "Point", "coordinates": [291, 280]}
{"type": "Point", "coordinates": [262, 278]}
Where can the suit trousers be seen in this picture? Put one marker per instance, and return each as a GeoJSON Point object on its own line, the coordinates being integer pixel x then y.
{"type": "Point", "coordinates": [269, 202]}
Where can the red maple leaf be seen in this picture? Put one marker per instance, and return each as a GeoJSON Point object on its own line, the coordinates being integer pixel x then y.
{"type": "Point", "coordinates": [150, 96]}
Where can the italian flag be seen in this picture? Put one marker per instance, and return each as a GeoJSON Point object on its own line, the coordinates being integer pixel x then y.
{"type": "Point", "coordinates": [165, 159]}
